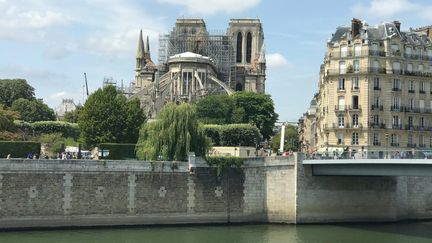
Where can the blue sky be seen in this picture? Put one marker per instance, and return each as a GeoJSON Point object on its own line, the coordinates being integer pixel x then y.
{"type": "Point", "coordinates": [52, 43]}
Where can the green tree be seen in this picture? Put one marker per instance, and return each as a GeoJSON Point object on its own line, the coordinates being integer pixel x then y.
{"type": "Point", "coordinates": [173, 134]}
{"type": "Point", "coordinates": [33, 110]}
{"type": "Point", "coordinates": [73, 116]}
{"type": "Point", "coordinates": [107, 117]}
{"type": "Point", "coordinates": [7, 118]}
{"type": "Point", "coordinates": [215, 109]}
{"type": "Point", "coordinates": [55, 142]}
{"type": "Point", "coordinates": [14, 89]}
{"type": "Point", "coordinates": [291, 139]}
{"type": "Point", "coordinates": [257, 109]}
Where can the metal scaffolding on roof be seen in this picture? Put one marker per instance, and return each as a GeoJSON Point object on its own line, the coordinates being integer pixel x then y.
{"type": "Point", "coordinates": [214, 44]}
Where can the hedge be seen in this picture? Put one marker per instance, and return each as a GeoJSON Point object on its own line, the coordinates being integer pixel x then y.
{"type": "Point", "coordinates": [223, 162]}
{"type": "Point", "coordinates": [233, 134]}
{"type": "Point", "coordinates": [18, 149]}
{"type": "Point", "coordinates": [67, 129]}
{"type": "Point", "coordinates": [119, 151]}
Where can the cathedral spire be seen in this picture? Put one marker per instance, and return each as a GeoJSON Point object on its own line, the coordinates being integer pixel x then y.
{"type": "Point", "coordinates": [140, 52]}
{"type": "Point", "coordinates": [147, 50]}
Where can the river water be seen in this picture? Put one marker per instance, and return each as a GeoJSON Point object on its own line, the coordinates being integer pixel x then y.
{"type": "Point", "coordinates": [392, 232]}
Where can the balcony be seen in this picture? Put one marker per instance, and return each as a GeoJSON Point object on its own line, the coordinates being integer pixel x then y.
{"type": "Point", "coordinates": [340, 108]}
{"type": "Point", "coordinates": [355, 89]}
{"type": "Point", "coordinates": [394, 144]}
{"type": "Point", "coordinates": [411, 91]}
{"type": "Point", "coordinates": [422, 145]}
{"type": "Point", "coordinates": [378, 125]}
{"type": "Point", "coordinates": [376, 143]}
{"type": "Point", "coordinates": [397, 126]}
{"type": "Point", "coordinates": [377, 107]}
{"type": "Point", "coordinates": [397, 89]}
{"type": "Point", "coordinates": [422, 92]}
{"type": "Point", "coordinates": [395, 53]}
{"type": "Point", "coordinates": [411, 56]}
{"type": "Point", "coordinates": [411, 145]}
{"type": "Point", "coordinates": [354, 108]}
{"type": "Point", "coordinates": [409, 127]}
{"type": "Point", "coordinates": [397, 108]}
{"type": "Point", "coordinates": [377, 70]}
{"type": "Point", "coordinates": [378, 88]}
{"type": "Point", "coordinates": [377, 53]}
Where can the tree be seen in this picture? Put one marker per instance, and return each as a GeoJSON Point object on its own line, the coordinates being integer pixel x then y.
{"type": "Point", "coordinates": [55, 142]}
{"type": "Point", "coordinates": [107, 117]}
{"type": "Point", "coordinates": [257, 109]}
{"type": "Point", "coordinates": [7, 118]}
{"type": "Point", "coordinates": [73, 116]}
{"type": "Point", "coordinates": [215, 109]}
{"type": "Point", "coordinates": [33, 110]}
{"type": "Point", "coordinates": [14, 89]}
{"type": "Point", "coordinates": [173, 134]}
{"type": "Point", "coordinates": [291, 139]}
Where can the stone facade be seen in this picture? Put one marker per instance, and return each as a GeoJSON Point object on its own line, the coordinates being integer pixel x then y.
{"type": "Point", "coordinates": [375, 90]}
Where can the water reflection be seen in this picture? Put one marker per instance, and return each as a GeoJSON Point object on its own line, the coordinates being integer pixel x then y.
{"type": "Point", "coordinates": [400, 232]}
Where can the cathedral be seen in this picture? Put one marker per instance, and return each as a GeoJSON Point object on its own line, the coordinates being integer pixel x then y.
{"type": "Point", "coordinates": [194, 62]}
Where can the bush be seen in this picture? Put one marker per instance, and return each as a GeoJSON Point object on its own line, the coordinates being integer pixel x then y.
{"type": "Point", "coordinates": [119, 151]}
{"type": "Point", "coordinates": [233, 134]}
{"type": "Point", "coordinates": [65, 128]}
{"type": "Point", "coordinates": [223, 162]}
{"type": "Point", "coordinates": [18, 149]}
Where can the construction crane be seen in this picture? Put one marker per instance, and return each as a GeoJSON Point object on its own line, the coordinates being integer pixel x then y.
{"type": "Point", "coordinates": [86, 87]}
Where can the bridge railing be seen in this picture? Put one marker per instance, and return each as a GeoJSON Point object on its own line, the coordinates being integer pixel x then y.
{"type": "Point", "coordinates": [374, 154]}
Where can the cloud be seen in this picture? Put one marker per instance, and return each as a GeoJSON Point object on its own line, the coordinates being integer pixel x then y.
{"type": "Point", "coordinates": [57, 95]}
{"type": "Point", "coordinates": [40, 75]}
{"type": "Point", "coordinates": [214, 6]}
{"type": "Point", "coordinates": [391, 8]}
{"type": "Point", "coordinates": [277, 60]}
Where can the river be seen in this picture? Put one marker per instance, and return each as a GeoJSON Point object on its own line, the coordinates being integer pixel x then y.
{"type": "Point", "coordinates": [391, 232]}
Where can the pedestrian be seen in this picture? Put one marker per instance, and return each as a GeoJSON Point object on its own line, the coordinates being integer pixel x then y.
{"type": "Point", "coordinates": [29, 156]}
{"type": "Point", "coordinates": [8, 156]}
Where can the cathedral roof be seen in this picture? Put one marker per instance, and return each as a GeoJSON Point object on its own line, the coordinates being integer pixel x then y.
{"type": "Point", "coordinates": [140, 51]}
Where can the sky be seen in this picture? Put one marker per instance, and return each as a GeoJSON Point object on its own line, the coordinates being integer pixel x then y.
{"type": "Point", "coordinates": [52, 43]}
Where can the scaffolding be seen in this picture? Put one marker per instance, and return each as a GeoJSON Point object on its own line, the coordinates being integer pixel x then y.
{"type": "Point", "coordinates": [214, 44]}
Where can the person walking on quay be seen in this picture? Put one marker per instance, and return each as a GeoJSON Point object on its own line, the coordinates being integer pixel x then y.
{"type": "Point", "coordinates": [8, 156]}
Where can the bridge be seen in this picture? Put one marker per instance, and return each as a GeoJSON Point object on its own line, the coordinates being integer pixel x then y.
{"type": "Point", "coordinates": [370, 167]}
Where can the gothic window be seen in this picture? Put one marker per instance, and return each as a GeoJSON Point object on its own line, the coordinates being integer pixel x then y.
{"type": "Point", "coordinates": [248, 47]}
{"type": "Point", "coordinates": [239, 47]}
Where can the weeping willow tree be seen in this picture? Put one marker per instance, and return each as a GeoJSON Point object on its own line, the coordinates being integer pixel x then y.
{"type": "Point", "coordinates": [173, 134]}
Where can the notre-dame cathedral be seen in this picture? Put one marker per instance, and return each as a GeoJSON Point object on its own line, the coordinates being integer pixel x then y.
{"type": "Point", "coordinates": [195, 62]}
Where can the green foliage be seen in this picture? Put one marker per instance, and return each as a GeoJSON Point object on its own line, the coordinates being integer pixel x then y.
{"type": "Point", "coordinates": [108, 117]}
{"type": "Point", "coordinates": [215, 109]}
{"type": "Point", "coordinates": [223, 162]}
{"type": "Point", "coordinates": [291, 139]}
{"type": "Point", "coordinates": [14, 89]}
{"type": "Point", "coordinates": [18, 149]}
{"type": "Point", "coordinates": [33, 110]}
{"type": "Point", "coordinates": [55, 142]}
{"type": "Point", "coordinates": [7, 118]}
{"type": "Point", "coordinates": [173, 134]}
{"type": "Point", "coordinates": [258, 110]}
{"type": "Point", "coordinates": [119, 151]}
{"type": "Point", "coordinates": [73, 116]}
{"type": "Point", "coordinates": [233, 134]}
{"type": "Point", "coordinates": [66, 129]}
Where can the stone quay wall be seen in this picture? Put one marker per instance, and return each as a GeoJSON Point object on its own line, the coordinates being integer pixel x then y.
{"type": "Point", "coordinates": [53, 193]}
{"type": "Point", "coordinates": [66, 193]}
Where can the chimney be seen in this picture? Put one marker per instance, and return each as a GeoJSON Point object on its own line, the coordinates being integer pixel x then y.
{"type": "Point", "coordinates": [355, 27]}
{"type": "Point", "coordinates": [397, 24]}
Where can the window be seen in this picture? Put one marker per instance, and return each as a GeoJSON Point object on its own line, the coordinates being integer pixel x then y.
{"type": "Point", "coordinates": [187, 80]}
{"type": "Point", "coordinates": [410, 139]}
{"type": "Point", "coordinates": [340, 138]}
{"type": "Point", "coordinates": [394, 140]}
{"type": "Point", "coordinates": [341, 85]}
{"type": "Point", "coordinates": [396, 121]}
{"type": "Point", "coordinates": [248, 47]}
{"type": "Point", "coordinates": [239, 47]}
{"type": "Point", "coordinates": [376, 101]}
{"type": "Point", "coordinates": [395, 49]}
{"type": "Point", "coordinates": [422, 87]}
{"type": "Point", "coordinates": [376, 139]}
{"type": "Point", "coordinates": [410, 122]}
{"type": "Point", "coordinates": [357, 50]}
{"type": "Point", "coordinates": [420, 68]}
{"type": "Point", "coordinates": [356, 64]}
{"type": "Point", "coordinates": [355, 102]}
{"type": "Point", "coordinates": [396, 102]}
{"type": "Point", "coordinates": [396, 67]}
{"type": "Point", "coordinates": [421, 140]}
{"type": "Point", "coordinates": [355, 138]}
{"type": "Point", "coordinates": [344, 50]}
{"type": "Point", "coordinates": [355, 120]}
{"type": "Point", "coordinates": [408, 51]}
{"type": "Point", "coordinates": [421, 105]}
{"type": "Point", "coordinates": [421, 122]}
{"type": "Point", "coordinates": [409, 67]}
{"type": "Point", "coordinates": [355, 82]}
{"type": "Point", "coordinates": [376, 83]}
{"type": "Point", "coordinates": [376, 119]}
{"type": "Point", "coordinates": [429, 51]}
{"type": "Point", "coordinates": [411, 85]}
{"type": "Point", "coordinates": [396, 84]}
{"type": "Point", "coordinates": [341, 121]}
{"type": "Point", "coordinates": [411, 104]}
{"type": "Point", "coordinates": [342, 67]}
{"type": "Point", "coordinates": [420, 52]}
{"type": "Point", "coordinates": [341, 103]}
